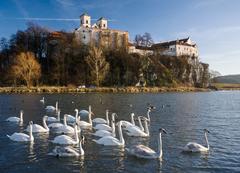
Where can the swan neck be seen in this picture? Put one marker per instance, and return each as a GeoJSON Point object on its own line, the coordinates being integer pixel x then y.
{"type": "Point", "coordinates": [132, 119]}
{"type": "Point", "coordinates": [80, 148]}
{"type": "Point", "coordinates": [30, 132]}
{"type": "Point", "coordinates": [113, 129]}
{"type": "Point", "coordinates": [140, 124]}
{"type": "Point", "coordinates": [206, 140]}
{"type": "Point", "coordinates": [45, 124]}
{"type": "Point", "coordinates": [107, 117]}
{"type": "Point", "coordinates": [90, 114]}
{"type": "Point", "coordinates": [56, 105]}
{"type": "Point", "coordinates": [76, 133]}
{"type": "Point", "coordinates": [76, 116]}
{"type": "Point", "coordinates": [148, 115]}
{"type": "Point", "coordinates": [21, 116]}
{"type": "Point", "coordinates": [146, 127]}
{"type": "Point", "coordinates": [65, 120]}
{"type": "Point", "coordinates": [160, 146]}
{"type": "Point", "coordinates": [58, 116]}
{"type": "Point", "coordinates": [120, 133]}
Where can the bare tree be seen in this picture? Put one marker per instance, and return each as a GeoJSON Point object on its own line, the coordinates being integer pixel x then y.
{"type": "Point", "coordinates": [138, 40]}
{"type": "Point", "coordinates": [97, 64]}
{"type": "Point", "coordinates": [26, 68]}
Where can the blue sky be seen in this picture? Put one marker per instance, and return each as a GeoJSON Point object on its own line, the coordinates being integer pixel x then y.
{"type": "Point", "coordinates": [213, 24]}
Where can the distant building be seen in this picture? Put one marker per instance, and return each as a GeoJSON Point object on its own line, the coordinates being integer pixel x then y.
{"type": "Point", "coordinates": [99, 34]}
{"type": "Point", "coordinates": [171, 48]}
{"type": "Point", "coordinates": [177, 47]}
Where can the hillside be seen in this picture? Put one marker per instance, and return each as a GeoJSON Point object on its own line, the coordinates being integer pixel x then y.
{"type": "Point", "coordinates": [230, 79]}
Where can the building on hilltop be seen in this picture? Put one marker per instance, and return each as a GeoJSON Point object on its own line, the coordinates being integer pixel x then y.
{"type": "Point", "coordinates": [99, 34]}
{"type": "Point", "coordinates": [178, 47]}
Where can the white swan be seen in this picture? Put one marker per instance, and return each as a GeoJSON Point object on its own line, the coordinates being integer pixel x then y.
{"type": "Point", "coordinates": [127, 124]}
{"type": "Point", "coordinates": [195, 147]}
{"type": "Point", "coordinates": [42, 100]}
{"type": "Point", "coordinates": [54, 119]}
{"type": "Point", "coordinates": [145, 152]}
{"type": "Point", "coordinates": [22, 137]}
{"type": "Point", "coordinates": [67, 140]}
{"type": "Point", "coordinates": [56, 124]}
{"type": "Point", "coordinates": [65, 129]}
{"type": "Point", "coordinates": [136, 131]}
{"type": "Point", "coordinates": [68, 151]}
{"type": "Point", "coordinates": [101, 120]}
{"type": "Point", "coordinates": [105, 126]}
{"type": "Point", "coordinates": [16, 119]}
{"type": "Point", "coordinates": [38, 128]}
{"type": "Point", "coordinates": [84, 124]}
{"type": "Point", "coordinates": [102, 133]}
{"type": "Point", "coordinates": [111, 141]}
{"type": "Point", "coordinates": [148, 114]}
{"type": "Point", "coordinates": [71, 118]}
{"type": "Point", "coordinates": [52, 108]}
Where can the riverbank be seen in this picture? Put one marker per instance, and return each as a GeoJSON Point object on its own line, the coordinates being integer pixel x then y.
{"type": "Point", "coordinates": [225, 86]}
{"type": "Point", "coordinates": [99, 89]}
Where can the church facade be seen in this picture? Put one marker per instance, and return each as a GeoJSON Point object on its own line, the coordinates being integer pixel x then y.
{"type": "Point", "coordinates": [98, 34]}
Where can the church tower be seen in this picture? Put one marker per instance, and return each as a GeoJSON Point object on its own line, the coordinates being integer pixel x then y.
{"type": "Point", "coordinates": [85, 20]}
{"type": "Point", "coordinates": [102, 23]}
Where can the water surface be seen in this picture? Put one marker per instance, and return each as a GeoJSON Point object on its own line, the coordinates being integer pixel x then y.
{"type": "Point", "coordinates": [183, 115]}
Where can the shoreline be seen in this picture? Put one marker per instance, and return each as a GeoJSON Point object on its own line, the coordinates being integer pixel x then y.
{"type": "Point", "coordinates": [100, 89]}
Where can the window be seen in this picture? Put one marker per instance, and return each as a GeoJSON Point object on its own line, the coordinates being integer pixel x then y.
{"type": "Point", "coordinates": [104, 25]}
{"type": "Point", "coordinates": [84, 37]}
{"type": "Point", "coordinates": [86, 21]}
{"type": "Point", "coordinates": [83, 31]}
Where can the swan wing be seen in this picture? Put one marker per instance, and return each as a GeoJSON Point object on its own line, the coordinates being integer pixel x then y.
{"type": "Point", "coordinates": [55, 125]}
{"type": "Point", "coordinates": [108, 141]}
{"type": "Point", "coordinates": [52, 119]}
{"type": "Point", "coordinates": [13, 119]}
{"type": "Point", "coordinates": [99, 120]}
{"type": "Point", "coordinates": [103, 127]}
{"type": "Point", "coordinates": [102, 133]}
{"type": "Point", "coordinates": [36, 128]}
{"type": "Point", "coordinates": [19, 137]}
{"type": "Point", "coordinates": [65, 129]}
{"type": "Point", "coordinates": [64, 140]}
{"type": "Point", "coordinates": [194, 147]}
{"type": "Point", "coordinates": [142, 151]}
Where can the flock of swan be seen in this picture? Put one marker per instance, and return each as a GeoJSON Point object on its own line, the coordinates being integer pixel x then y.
{"type": "Point", "coordinates": [104, 131]}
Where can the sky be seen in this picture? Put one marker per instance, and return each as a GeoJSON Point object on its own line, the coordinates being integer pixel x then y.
{"type": "Point", "coordinates": [213, 24]}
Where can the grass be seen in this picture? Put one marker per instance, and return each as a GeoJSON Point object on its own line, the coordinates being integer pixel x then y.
{"type": "Point", "coordinates": [226, 86]}
{"type": "Point", "coordinates": [48, 89]}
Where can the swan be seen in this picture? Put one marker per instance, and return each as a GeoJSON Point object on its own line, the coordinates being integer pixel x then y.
{"type": "Point", "coordinates": [84, 124]}
{"type": "Point", "coordinates": [102, 133]}
{"type": "Point", "coordinates": [56, 124]}
{"type": "Point", "coordinates": [22, 137]}
{"type": "Point", "coordinates": [148, 114]}
{"type": "Point", "coordinates": [136, 131]}
{"type": "Point", "coordinates": [127, 124]}
{"type": "Point", "coordinates": [42, 100]}
{"type": "Point", "coordinates": [71, 118]}
{"type": "Point", "coordinates": [16, 119]}
{"type": "Point", "coordinates": [67, 140]}
{"type": "Point", "coordinates": [84, 112]}
{"type": "Point", "coordinates": [52, 108]}
{"type": "Point", "coordinates": [54, 119]}
{"type": "Point", "coordinates": [38, 128]}
{"type": "Point", "coordinates": [105, 126]}
{"type": "Point", "coordinates": [68, 151]}
{"type": "Point", "coordinates": [65, 128]}
{"type": "Point", "coordinates": [195, 147]}
{"type": "Point", "coordinates": [112, 141]}
{"type": "Point", "coordinates": [101, 120]}
{"type": "Point", "coordinates": [145, 152]}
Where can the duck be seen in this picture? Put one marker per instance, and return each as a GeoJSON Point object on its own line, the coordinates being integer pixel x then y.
{"type": "Point", "coordinates": [22, 137]}
{"type": "Point", "coordinates": [16, 119]}
{"type": "Point", "coordinates": [197, 148]}
{"type": "Point", "coordinates": [102, 133]}
{"type": "Point", "coordinates": [142, 151]}
{"type": "Point", "coordinates": [67, 140]}
{"type": "Point", "coordinates": [112, 141]}
{"type": "Point", "coordinates": [105, 126]}
{"type": "Point", "coordinates": [52, 108]}
{"type": "Point", "coordinates": [136, 131]}
{"type": "Point", "coordinates": [84, 124]}
{"type": "Point", "coordinates": [68, 151]}
{"type": "Point", "coordinates": [101, 120]}
{"type": "Point", "coordinates": [38, 128]}
{"type": "Point", "coordinates": [56, 124]}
